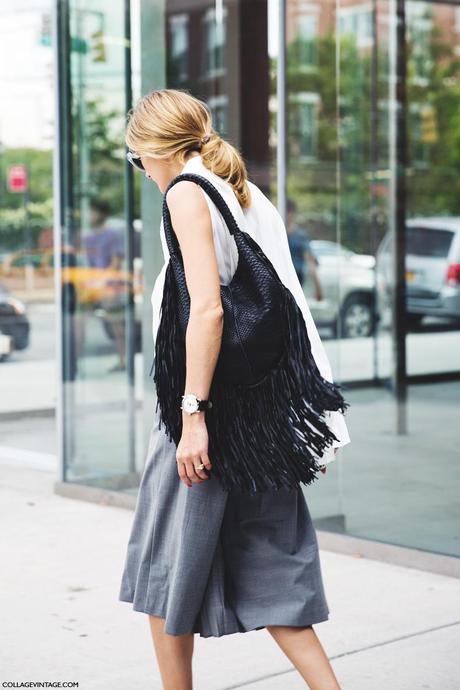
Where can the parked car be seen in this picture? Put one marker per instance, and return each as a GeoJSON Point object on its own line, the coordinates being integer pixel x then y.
{"type": "Point", "coordinates": [432, 268]}
{"type": "Point", "coordinates": [13, 319]}
{"type": "Point", "coordinates": [347, 282]}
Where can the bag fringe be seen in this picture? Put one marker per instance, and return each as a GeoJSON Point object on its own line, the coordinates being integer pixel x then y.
{"type": "Point", "coordinates": [289, 433]}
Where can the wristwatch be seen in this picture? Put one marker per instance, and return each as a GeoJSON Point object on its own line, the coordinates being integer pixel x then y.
{"type": "Point", "coordinates": [190, 403]}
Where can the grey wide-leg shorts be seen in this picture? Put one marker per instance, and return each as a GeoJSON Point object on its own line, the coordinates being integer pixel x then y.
{"type": "Point", "coordinates": [215, 562]}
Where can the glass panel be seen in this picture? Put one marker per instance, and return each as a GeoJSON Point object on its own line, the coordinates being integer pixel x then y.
{"type": "Point", "coordinates": [402, 458]}
{"type": "Point", "coordinates": [27, 314]}
{"type": "Point", "coordinates": [100, 333]}
{"type": "Point", "coordinates": [430, 482]}
{"type": "Point", "coordinates": [353, 224]}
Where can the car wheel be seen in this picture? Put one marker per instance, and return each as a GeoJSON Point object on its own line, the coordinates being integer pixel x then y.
{"type": "Point", "coordinates": [357, 317]}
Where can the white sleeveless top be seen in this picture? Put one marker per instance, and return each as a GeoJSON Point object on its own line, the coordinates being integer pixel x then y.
{"type": "Point", "coordinates": [264, 223]}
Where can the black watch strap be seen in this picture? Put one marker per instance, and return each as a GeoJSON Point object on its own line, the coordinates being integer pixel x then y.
{"type": "Point", "coordinates": [204, 404]}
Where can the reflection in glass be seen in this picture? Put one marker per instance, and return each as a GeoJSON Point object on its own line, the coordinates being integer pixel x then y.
{"type": "Point", "coordinates": [340, 183]}
{"type": "Point", "coordinates": [97, 281]}
{"type": "Point", "coordinates": [341, 170]}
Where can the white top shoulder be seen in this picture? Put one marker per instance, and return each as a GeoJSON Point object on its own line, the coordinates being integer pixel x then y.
{"type": "Point", "coordinates": [264, 223]}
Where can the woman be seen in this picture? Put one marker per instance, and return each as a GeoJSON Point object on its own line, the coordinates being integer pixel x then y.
{"type": "Point", "coordinates": [199, 559]}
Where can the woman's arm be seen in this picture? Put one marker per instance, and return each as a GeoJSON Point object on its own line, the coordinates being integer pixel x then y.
{"type": "Point", "coordinates": [192, 225]}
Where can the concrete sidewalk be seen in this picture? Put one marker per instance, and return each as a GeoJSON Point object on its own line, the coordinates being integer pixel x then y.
{"type": "Point", "coordinates": [390, 626]}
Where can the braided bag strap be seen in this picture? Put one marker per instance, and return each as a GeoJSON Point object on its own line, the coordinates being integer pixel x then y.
{"type": "Point", "coordinates": [214, 194]}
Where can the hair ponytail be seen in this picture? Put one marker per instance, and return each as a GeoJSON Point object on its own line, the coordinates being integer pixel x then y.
{"type": "Point", "coordinates": [224, 160]}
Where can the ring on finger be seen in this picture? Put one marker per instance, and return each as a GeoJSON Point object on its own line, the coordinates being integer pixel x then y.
{"type": "Point", "coordinates": [200, 467]}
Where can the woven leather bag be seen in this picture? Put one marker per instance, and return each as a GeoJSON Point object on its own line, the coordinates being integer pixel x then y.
{"type": "Point", "coordinates": [266, 427]}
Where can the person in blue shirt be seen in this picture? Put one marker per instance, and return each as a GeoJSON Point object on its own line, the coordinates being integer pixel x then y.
{"type": "Point", "coordinates": [104, 249]}
{"type": "Point", "coordinates": [103, 245]}
{"type": "Point", "coordinates": [303, 258]}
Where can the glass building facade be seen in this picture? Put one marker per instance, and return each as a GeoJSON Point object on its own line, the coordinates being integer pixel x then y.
{"type": "Point", "coordinates": [346, 113]}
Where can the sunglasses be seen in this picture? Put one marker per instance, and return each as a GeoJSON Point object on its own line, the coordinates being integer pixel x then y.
{"type": "Point", "coordinates": [135, 160]}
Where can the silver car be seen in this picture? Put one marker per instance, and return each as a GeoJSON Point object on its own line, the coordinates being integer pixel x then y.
{"type": "Point", "coordinates": [432, 268]}
{"type": "Point", "coordinates": [347, 285]}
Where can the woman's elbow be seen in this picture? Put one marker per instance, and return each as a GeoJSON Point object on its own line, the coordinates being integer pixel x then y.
{"type": "Point", "coordinates": [212, 312]}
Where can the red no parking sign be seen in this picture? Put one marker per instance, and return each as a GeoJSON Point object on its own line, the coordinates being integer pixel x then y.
{"type": "Point", "coordinates": [17, 178]}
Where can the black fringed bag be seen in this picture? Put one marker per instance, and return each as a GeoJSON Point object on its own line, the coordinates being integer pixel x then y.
{"type": "Point", "coordinates": [266, 427]}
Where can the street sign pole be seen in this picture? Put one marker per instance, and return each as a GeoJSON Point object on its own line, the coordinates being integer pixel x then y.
{"type": "Point", "coordinates": [29, 265]}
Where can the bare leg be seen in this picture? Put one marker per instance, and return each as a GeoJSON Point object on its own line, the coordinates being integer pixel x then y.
{"type": "Point", "coordinates": [304, 650]}
{"type": "Point", "coordinates": [174, 656]}
{"type": "Point", "coordinates": [118, 327]}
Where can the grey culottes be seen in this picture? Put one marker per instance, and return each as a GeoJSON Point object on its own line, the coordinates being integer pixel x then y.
{"type": "Point", "coordinates": [215, 562]}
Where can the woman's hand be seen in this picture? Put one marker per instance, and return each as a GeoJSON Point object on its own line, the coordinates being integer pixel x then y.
{"type": "Point", "coordinates": [192, 449]}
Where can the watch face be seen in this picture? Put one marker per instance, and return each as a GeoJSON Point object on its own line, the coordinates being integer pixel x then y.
{"type": "Point", "coordinates": [189, 403]}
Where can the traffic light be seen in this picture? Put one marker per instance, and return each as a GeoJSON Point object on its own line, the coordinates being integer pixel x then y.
{"type": "Point", "coordinates": [98, 53]}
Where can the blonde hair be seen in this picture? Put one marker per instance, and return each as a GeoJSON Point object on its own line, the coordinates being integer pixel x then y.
{"type": "Point", "coordinates": [171, 123]}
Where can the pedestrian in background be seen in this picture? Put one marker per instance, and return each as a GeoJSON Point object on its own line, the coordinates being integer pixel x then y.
{"type": "Point", "coordinates": [303, 257]}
